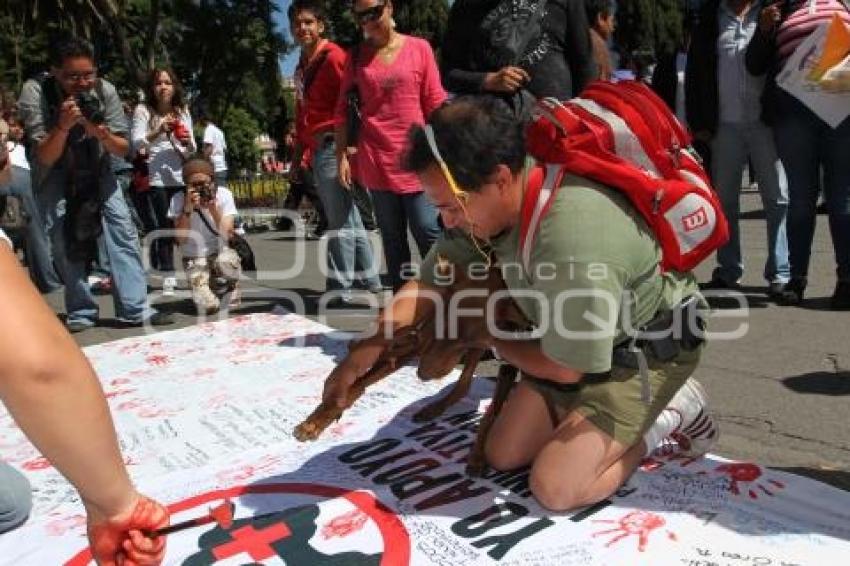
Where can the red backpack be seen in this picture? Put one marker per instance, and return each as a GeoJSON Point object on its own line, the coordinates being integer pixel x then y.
{"type": "Point", "coordinates": [624, 136]}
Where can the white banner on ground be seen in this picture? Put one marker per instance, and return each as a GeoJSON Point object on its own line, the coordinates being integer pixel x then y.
{"type": "Point", "coordinates": [206, 413]}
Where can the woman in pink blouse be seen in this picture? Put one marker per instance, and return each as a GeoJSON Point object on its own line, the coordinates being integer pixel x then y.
{"type": "Point", "coordinates": [399, 85]}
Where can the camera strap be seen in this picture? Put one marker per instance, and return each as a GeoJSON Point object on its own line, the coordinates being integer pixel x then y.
{"type": "Point", "coordinates": [207, 224]}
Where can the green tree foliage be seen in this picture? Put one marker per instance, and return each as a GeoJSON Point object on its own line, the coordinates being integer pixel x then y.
{"type": "Point", "coordinates": [423, 18]}
{"type": "Point", "coordinates": [224, 51]}
{"type": "Point", "coordinates": [241, 129]}
{"type": "Point", "coordinates": [228, 54]}
{"type": "Point", "coordinates": [648, 27]}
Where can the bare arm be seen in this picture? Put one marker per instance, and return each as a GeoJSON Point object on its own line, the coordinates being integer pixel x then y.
{"type": "Point", "coordinates": [412, 302]}
{"type": "Point", "coordinates": [50, 149]}
{"type": "Point", "coordinates": [57, 401]}
{"type": "Point", "coordinates": [182, 224]}
{"type": "Point", "coordinates": [528, 356]}
{"type": "Point", "coordinates": [56, 398]}
{"type": "Point", "coordinates": [114, 144]}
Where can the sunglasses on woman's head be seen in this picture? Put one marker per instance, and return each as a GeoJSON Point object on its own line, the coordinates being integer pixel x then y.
{"type": "Point", "coordinates": [372, 14]}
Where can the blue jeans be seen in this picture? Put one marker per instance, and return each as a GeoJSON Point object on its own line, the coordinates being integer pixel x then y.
{"type": "Point", "coordinates": [393, 213]}
{"type": "Point", "coordinates": [807, 147]}
{"type": "Point", "coordinates": [37, 250]}
{"type": "Point", "coordinates": [129, 287]}
{"type": "Point", "coordinates": [350, 255]}
{"type": "Point", "coordinates": [732, 146]}
{"type": "Point", "coordinates": [15, 498]}
{"type": "Point", "coordinates": [101, 266]}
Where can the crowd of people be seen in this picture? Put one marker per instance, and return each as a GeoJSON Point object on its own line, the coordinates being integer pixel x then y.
{"type": "Point", "coordinates": [439, 149]}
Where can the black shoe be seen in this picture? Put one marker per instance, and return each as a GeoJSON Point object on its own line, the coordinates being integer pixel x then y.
{"type": "Point", "coordinates": [792, 293]}
{"type": "Point", "coordinates": [718, 284]}
{"type": "Point", "coordinates": [774, 290]}
{"type": "Point", "coordinates": [158, 318]}
{"type": "Point", "coordinates": [75, 326]}
{"type": "Point", "coordinates": [840, 300]}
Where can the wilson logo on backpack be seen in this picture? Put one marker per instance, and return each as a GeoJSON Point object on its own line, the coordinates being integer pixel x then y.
{"type": "Point", "coordinates": [623, 136]}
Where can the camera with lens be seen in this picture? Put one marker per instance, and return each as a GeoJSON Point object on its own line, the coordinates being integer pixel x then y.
{"type": "Point", "coordinates": [206, 192]}
{"type": "Point", "coordinates": [91, 108]}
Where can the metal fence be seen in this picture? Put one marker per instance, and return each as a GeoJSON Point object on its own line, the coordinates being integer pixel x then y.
{"type": "Point", "coordinates": [266, 191]}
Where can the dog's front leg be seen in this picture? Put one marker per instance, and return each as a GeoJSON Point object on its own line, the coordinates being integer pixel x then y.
{"type": "Point", "coordinates": [458, 392]}
{"type": "Point", "coordinates": [477, 462]}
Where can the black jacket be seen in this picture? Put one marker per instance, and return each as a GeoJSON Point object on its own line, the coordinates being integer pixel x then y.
{"type": "Point", "coordinates": [560, 62]}
{"type": "Point", "coordinates": [702, 97]}
{"type": "Point", "coordinates": [762, 59]}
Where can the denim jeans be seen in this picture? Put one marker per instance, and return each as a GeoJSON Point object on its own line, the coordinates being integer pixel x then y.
{"type": "Point", "coordinates": [101, 266]}
{"type": "Point", "coordinates": [732, 146]}
{"type": "Point", "coordinates": [15, 498]}
{"type": "Point", "coordinates": [350, 254]}
{"type": "Point", "coordinates": [37, 250]}
{"type": "Point", "coordinates": [809, 147]}
{"type": "Point", "coordinates": [129, 287]}
{"type": "Point", "coordinates": [393, 213]}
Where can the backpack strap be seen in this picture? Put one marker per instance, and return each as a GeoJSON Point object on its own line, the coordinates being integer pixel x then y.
{"type": "Point", "coordinates": [540, 191]}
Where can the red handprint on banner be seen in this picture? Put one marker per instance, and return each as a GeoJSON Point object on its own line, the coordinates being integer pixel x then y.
{"type": "Point", "coordinates": [739, 473]}
{"type": "Point", "coordinates": [637, 523]}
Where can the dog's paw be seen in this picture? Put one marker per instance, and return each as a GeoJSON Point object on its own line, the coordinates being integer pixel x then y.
{"type": "Point", "coordinates": [306, 431]}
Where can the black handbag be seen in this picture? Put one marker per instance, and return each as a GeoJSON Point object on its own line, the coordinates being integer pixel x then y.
{"type": "Point", "coordinates": [352, 116]}
{"type": "Point", "coordinates": [238, 244]}
{"type": "Point", "coordinates": [246, 255]}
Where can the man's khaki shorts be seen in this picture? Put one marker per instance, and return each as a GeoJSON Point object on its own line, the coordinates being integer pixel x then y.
{"type": "Point", "coordinates": [615, 406]}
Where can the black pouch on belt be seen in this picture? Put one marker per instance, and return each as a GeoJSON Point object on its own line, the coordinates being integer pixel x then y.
{"type": "Point", "coordinates": [680, 328]}
{"type": "Point", "coordinates": [666, 335]}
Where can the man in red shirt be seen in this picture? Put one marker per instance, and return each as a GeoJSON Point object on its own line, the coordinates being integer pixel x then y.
{"type": "Point", "coordinates": [317, 87]}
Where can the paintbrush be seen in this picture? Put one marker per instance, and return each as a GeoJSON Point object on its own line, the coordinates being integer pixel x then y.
{"type": "Point", "coordinates": [221, 515]}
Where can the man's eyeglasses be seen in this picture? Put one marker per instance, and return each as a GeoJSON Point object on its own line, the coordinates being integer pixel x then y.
{"type": "Point", "coordinates": [372, 14]}
{"type": "Point", "coordinates": [199, 185]}
{"type": "Point", "coordinates": [80, 77]}
{"type": "Point", "coordinates": [459, 193]}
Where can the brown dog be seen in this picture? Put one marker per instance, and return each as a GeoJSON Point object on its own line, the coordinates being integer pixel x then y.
{"type": "Point", "coordinates": [438, 355]}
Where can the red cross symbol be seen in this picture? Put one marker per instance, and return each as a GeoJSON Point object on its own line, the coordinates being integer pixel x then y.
{"type": "Point", "coordinates": [256, 543]}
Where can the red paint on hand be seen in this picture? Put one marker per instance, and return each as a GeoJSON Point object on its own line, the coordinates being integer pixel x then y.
{"type": "Point", "coordinates": [121, 540]}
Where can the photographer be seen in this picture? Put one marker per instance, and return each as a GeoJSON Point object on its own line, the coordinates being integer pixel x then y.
{"type": "Point", "coordinates": [206, 221]}
{"type": "Point", "coordinates": [74, 122]}
{"type": "Point", "coordinates": [162, 125]}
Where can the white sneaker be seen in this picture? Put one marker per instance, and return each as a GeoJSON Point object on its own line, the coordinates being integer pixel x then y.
{"type": "Point", "coordinates": [695, 431]}
{"type": "Point", "coordinates": [168, 286]}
